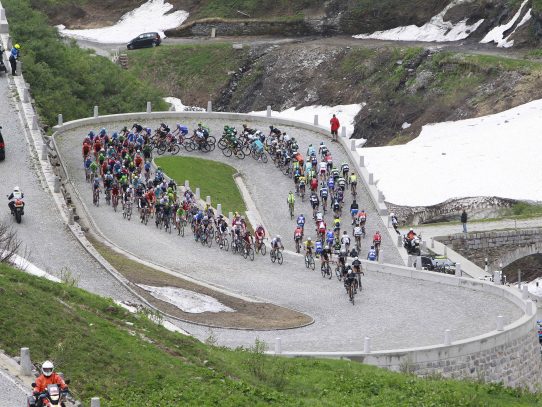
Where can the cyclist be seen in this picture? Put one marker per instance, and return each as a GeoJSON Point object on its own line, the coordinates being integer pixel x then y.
{"type": "Point", "coordinates": [345, 240]}
{"type": "Point", "coordinates": [142, 206]}
{"type": "Point", "coordinates": [356, 267]}
{"type": "Point", "coordinates": [321, 228]}
{"type": "Point", "coordinates": [301, 222]}
{"type": "Point", "coordinates": [377, 239]}
{"type": "Point", "coordinates": [350, 279]}
{"type": "Point", "coordinates": [298, 236]}
{"type": "Point", "coordinates": [329, 161]}
{"type": "Point", "coordinates": [372, 254]}
{"type": "Point", "coordinates": [357, 235]}
{"type": "Point", "coordinates": [353, 181]}
{"type": "Point", "coordinates": [276, 243]}
{"type": "Point", "coordinates": [302, 183]}
{"type": "Point", "coordinates": [313, 184]}
{"type": "Point", "coordinates": [336, 205]}
{"type": "Point", "coordinates": [311, 151]}
{"type": "Point", "coordinates": [330, 237]}
{"type": "Point", "coordinates": [336, 225]}
{"type": "Point", "coordinates": [315, 203]}
{"type": "Point", "coordinates": [96, 186]}
{"type": "Point", "coordinates": [341, 182]}
{"type": "Point", "coordinates": [322, 170]}
{"type": "Point", "coordinates": [341, 263]}
{"type": "Point", "coordinates": [323, 195]}
{"type": "Point", "coordinates": [291, 200]}
{"type": "Point", "coordinates": [309, 247]}
{"type": "Point", "coordinates": [326, 255]}
{"type": "Point", "coordinates": [259, 234]}
{"type": "Point", "coordinates": [180, 214]}
{"type": "Point", "coordinates": [322, 149]}
{"type": "Point", "coordinates": [318, 248]}
{"type": "Point", "coordinates": [345, 168]}
{"type": "Point", "coordinates": [334, 173]}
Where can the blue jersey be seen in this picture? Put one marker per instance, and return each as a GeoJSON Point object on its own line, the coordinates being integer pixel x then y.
{"type": "Point", "coordinates": [372, 255]}
{"type": "Point", "coordinates": [323, 192]}
{"type": "Point", "coordinates": [318, 247]}
{"type": "Point", "coordinates": [311, 151]}
{"type": "Point", "coordinates": [301, 220]}
{"type": "Point", "coordinates": [331, 183]}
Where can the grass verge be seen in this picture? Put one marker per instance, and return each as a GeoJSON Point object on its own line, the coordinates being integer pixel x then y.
{"type": "Point", "coordinates": [193, 73]}
{"type": "Point", "coordinates": [213, 178]}
{"type": "Point", "coordinates": [247, 315]}
{"type": "Point", "coordinates": [127, 360]}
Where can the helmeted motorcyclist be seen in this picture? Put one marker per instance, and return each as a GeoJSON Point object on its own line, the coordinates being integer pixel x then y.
{"type": "Point", "coordinates": [47, 377]}
{"type": "Point", "coordinates": [16, 194]}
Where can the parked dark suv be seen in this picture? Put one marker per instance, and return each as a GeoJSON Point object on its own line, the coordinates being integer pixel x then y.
{"type": "Point", "coordinates": [145, 40]}
{"type": "Point", "coordinates": [2, 146]}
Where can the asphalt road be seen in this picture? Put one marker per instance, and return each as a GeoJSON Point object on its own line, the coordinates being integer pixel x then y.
{"type": "Point", "coordinates": [46, 240]}
{"type": "Point", "coordinates": [12, 392]}
{"type": "Point", "coordinates": [392, 311]}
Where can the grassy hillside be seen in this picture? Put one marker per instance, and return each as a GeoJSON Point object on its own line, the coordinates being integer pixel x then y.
{"type": "Point", "coordinates": [66, 79]}
{"type": "Point", "coordinates": [125, 359]}
{"type": "Point", "coordinates": [193, 73]}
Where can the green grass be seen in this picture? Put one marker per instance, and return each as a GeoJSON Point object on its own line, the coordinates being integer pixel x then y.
{"type": "Point", "coordinates": [66, 79]}
{"type": "Point", "coordinates": [213, 178]}
{"type": "Point", "coordinates": [127, 360]}
{"type": "Point", "coordinates": [254, 8]}
{"type": "Point", "coordinates": [193, 73]}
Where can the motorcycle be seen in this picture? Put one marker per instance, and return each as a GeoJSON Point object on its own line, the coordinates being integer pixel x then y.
{"type": "Point", "coordinates": [18, 209]}
{"type": "Point", "coordinates": [412, 246]}
{"type": "Point", "coordinates": [2, 64]}
{"type": "Point", "coordinates": [52, 396]}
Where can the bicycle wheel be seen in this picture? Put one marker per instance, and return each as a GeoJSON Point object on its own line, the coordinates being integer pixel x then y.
{"type": "Point", "coordinates": [306, 261]}
{"type": "Point", "coordinates": [323, 271]}
{"type": "Point", "coordinates": [129, 213]}
{"type": "Point", "coordinates": [280, 259]}
{"type": "Point", "coordinates": [351, 293]}
{"type": "Point", "coordinates": [175, 149]}
{"type": "Point", "coordinates": [264, 158]}
{"type": "Point", "coordinates": [311, 263]}
{"type": "Point", "coordinates": [251, 253]}
{"type": "Point", "coordinates": [209, 240]}
{"type": "Point", "coordinates": [222, 144]}
{"type": "Point", "coordinates": [239, 154]}
{"type": "Point", "coordinates": [338, 273]}
{"type": "Point", "coordinates": [273, 256]}
{"type": "Point", "coordinates": [245, 252]}
{"type": "Point", "coordinates": [161, 148]}
{"type": "Point", "coordinates": [263, 249]}
{"type": "Point", "coordinates": [190, 146]}
{"type": "Point", "coordinates": [227, 152]}
{"type": "Point", "coordinates": [225, 244]}
{"type": "Point", "coordinates": [146, 217]}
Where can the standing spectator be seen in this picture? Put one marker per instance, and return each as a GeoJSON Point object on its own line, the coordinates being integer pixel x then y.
{"type": "Point", "coordinates": [464, 221]}
{"type": "Point", "coordinates": [334, 127]}
{"type": "Point", "coordinates": [13, 56]}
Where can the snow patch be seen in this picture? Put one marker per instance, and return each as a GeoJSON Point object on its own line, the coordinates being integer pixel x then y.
{"type": "Point", "coordinates": [436, 29]}
{"type": "Point", "coordinates": [187, 301]}
{"type": "Point", "coordinates": [405, 125]}
{"type": "Point", "coordinates": [496, 35]}
{"type": "Point", "coordinates": [152, 16]}
{"type": "Point", "coordinates": [24, 265]}
{"type": "Point", "coordinates": [535, 287]}
{"type": "Point", "coordinates": [345, 113]}
{"type": "Point", "coordinates": [492, 155]}
{"type": "Point", "coordinates": [177, 106]}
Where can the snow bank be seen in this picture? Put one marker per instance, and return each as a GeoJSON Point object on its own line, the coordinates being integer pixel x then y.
{"type": "Point", "coordinates": [345, 113]}
{"type": "Point", "coordinates": [149, 17]}
{"type": "Point", "coordinates": [177, 106]}
{"type": "Point", "coordinates": [496, 35]}
{"type": "Point", "coordinates": [435, 30]}
{"type": "Point", "coordinates": [497, 155]}
{"type": "Point", "coordinates": [535, 287]}
{"type": "Point", "coordinates": [187, 301]}
{"type": "Point", "coordinates": [166, 324]}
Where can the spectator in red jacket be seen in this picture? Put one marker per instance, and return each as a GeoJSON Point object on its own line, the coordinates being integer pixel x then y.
{"type": "Point", "coordinates": [334, 127]}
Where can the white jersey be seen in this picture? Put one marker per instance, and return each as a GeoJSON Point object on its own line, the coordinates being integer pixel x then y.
{"type": "Point", "coordinates": [358, 231]}
{"type": "Point", "coordinates": [322, 166]}
{"type": "Point", "coordinates": [345, 239]}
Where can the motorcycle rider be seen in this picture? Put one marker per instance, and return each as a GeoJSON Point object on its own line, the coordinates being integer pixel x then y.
{"type": "Point", "coordinates": [46, 378]}
{"type": "Point", "coordinates": [16, 194]}
{"type": "Point", "coordinates": [411, 236]}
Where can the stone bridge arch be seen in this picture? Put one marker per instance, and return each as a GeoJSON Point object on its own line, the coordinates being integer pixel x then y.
{"type": "Point", "coordinates": [511, 256]}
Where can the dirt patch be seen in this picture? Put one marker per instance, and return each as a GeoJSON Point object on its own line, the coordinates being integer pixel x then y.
{"type": "Point", "coordinates": [247, 315]}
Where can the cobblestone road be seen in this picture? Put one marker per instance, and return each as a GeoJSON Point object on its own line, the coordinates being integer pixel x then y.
{"type": "Point", "coordinates": [391, 310]}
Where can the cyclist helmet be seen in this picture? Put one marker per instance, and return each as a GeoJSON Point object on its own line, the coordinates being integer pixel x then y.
{"type": "Point", "coordinates": [199, 124]}
{"type": "Point", "coordinates": [226, 128]}
{"type": "Point", "coordinates": [309, 239]}
{"type": "Point", "coordinates": [148, 130]}
{"type": "Point", "coordinates": [17, 46]}
{"type": "Point", "coordinates": [47, 368]}
{"type": "Point", "coordinates": [279, 237]}
{"type": "Point", "coordinates": [321, 143]}
{"type": "Point", "coordinates": [411, 230]}
{"type": "Point", "coordinates": [372, 247]}
{"type": "Point", "coordinates": [356, 258]}
{"type": "Point", "coordinates": [327, 247]}
{"type": "Point", "coordinates": [91, 134]}
{"type": "Point", "coordinates": [271, 127]}
{"type": "Point", "coordinates": [16, 189]}
{"type": "Point", "coordinates": [103, 131]}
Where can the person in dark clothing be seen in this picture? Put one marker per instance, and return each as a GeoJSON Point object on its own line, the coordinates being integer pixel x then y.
{"type": "Point", "coordinates": [13, 56]}
{"type": "Point", "coordinates": [464, 221]}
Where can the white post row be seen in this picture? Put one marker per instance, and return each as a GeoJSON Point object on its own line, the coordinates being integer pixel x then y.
{"type": "Point", "coordinates": [447, 337]}
{"type": "Point", "coordinates": [149, 107]}
{"type": "Point", "coordinates": [316, 120]}
{"type": "Point", "coordinates": [209, 106]}
{"type": "Point", "coordinates": [60, 120]}
{"type": "Point", "coordinates": [268, 111]}
{"type": "Point", "coordinates": [367, 345]}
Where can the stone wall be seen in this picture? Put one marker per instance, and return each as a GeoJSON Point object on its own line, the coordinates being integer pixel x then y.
{"type": "Point", "coordinates": [498, 247]}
